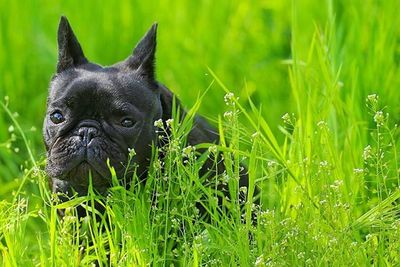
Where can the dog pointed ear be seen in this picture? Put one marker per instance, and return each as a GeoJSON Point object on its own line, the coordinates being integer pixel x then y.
{"type": "Point", "coordinates": [70, 53]}
{"type": "Point", "coordinates": [143, 59]}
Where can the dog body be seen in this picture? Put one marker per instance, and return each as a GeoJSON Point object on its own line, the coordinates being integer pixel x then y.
{"type": "Point", "coordinates": [96, 113]}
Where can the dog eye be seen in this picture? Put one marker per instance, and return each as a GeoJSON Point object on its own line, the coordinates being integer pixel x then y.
{"type": "Point", "coordinates": [56, 117]}
{"type": "Point", "coordinates": [127, 123]}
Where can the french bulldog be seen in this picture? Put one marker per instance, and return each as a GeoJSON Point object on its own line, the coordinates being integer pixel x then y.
{"type": "Point", "coordinates": [97, 113]}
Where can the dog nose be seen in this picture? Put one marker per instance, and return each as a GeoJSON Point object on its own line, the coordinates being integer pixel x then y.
{"type": "Point", "coordinates": [87, 134]}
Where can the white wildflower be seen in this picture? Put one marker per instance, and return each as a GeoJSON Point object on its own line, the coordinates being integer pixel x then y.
{"type": "Point", "coordinates": [358, 170]}
{"type": "Point", "coordinates": [169, 122]}
{"type": "Point", "coordinates": [131, 152]}
{"type": "Point", "coordinates": [213, 149]}
{"type": "Point", "coordinates": [229, 99]}
{"type": "Point", "coordinates": [301, 255]}
{"type": "Point", "coordinates": [367, 154]}
{"type": "Point", "coordinates": [323, 202]}
{"type": "Point", "coordinates": [322, 124]}
{"type": "Point", "coordinates": [373, 98]}
{"type": "Point", "coordinates": [336, 184]}
{"type": "Point", "coordinates": [323, 164]}
{"type": "Point", "coordinates": [188, 151]}
{"type": "Point", "coordinates": [379, 118]}
{"type": "Point", "coordinates": [228, 115]}
{"type": "Point", "coordinates": [159, 123]}
{"type": "Point", "coordinates": [286, 118]}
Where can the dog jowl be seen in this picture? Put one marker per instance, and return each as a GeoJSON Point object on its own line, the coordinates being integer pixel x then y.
{"type": "Point", "coordinates": [97, 113]}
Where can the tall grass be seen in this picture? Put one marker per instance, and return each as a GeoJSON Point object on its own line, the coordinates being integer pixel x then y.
{"type": "Point", "coordinates": [310, 107]}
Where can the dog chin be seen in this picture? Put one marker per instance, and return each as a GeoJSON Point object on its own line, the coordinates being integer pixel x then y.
{"type": "Point", "coordinates": [78, 178]}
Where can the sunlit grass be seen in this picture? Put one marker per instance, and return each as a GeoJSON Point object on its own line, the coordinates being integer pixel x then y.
{"type": "Point", "coordinates": [310, 107]}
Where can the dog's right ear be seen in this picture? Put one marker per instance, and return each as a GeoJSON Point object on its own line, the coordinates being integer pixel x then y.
{"type": "Point", "coordinates": [70, 53]}
{"type": "Point", "coordinates": [143, 59]}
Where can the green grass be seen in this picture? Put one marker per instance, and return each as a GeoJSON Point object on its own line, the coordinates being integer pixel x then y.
{"type": "Point", "coordinates": [314, 117]}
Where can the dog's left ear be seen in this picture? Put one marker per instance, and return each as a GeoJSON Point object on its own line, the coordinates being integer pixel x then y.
{"type": "Point", "coordinates": [70, 53]}
{"type": "Point", "coordinates": [143, 59]}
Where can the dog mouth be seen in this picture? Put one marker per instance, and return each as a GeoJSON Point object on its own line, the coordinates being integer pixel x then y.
{"type": "Point", "coordinates": [74, 164]}
{"type": "Point", "coordinates": [80, 177]}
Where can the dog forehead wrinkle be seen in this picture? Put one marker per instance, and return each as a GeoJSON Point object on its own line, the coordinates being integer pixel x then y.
{"type": "Point", "coordinates": [76, 80]}
{"type": "Point", "coordinates": [132, 90]}
{"type": "Point", "coordinates": [91, 86]}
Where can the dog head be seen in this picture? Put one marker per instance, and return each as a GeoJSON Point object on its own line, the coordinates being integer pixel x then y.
{"type": "Point", "coordinates": [97, 114]}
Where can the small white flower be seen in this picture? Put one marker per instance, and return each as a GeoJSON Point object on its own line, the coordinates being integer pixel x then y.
{"type": "Point", "coordinates": [213, 149]}
{"type": "Point", "coordinates": [358, 170]}
{"type": "Point", "coordinates": [323, 164]}
{"type": "Point", "coordinates": [286, 118]}
{"type": "Point", "coordinates": [301, 255]}
{"type": "Point", "coordinates": [333, 241]}
{"type": "Point", "coordinates": [229, 99]}
{"type": "Point", "coordinates": [323, 201]}
{"type": "Point", "coordinates": [243, 189]}
{"type": "Point", "coordinates": [373, 98]}
{"type": "Point", "coordinates": [228, 115]}
{"type": "Point", "coordinates": [322, 124]}
{"type": "Point", "coordinates": [169, 122]}
{"type": "Point", "coordinates": [132, 152]}
{"type": "Point", "coordinates": [11, 129]}
{"type": "Point", "coordinates": [367, 153]}
{"type": "Point", "coordinates": [188, 151]}
{"type": "Point", "coordinates": [336, 184]}
{"type": "Point", "coordinates": [159, 123]}
{"type": "Point", "coordinates": [379, 118]}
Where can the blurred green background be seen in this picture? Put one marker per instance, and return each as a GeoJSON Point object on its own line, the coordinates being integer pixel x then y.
{"type": "Point", "coordinates": [247, 44]}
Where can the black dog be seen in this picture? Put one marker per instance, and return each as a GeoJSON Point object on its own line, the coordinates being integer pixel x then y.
{"type": "Point", "coordinates": [96, 113]}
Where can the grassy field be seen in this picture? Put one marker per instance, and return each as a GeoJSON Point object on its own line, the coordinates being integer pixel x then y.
{"type": "Point", "coordinates": [314, 115]}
